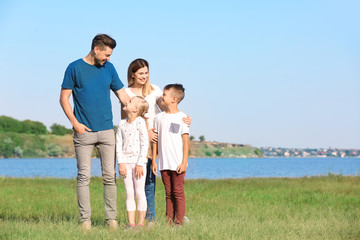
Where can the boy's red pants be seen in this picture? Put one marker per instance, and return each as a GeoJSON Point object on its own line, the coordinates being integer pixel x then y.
{"type": "Point", "coordinates": [175, 195]}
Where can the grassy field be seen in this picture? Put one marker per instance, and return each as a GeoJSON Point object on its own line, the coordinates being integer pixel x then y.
{"type": "Point", "coordinates": [272, 208]}
{"type": "Point", "coordinates": [223, 150]}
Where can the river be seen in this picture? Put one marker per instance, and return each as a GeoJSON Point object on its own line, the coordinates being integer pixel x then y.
{"type": "Point", "coordinates": [208, 168]}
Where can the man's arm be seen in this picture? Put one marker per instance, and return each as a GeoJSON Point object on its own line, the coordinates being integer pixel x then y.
{"type": "Point", "coordinates": [66, 106]}
{"type": "Point", "coordinates": [122, 95]}
{"type": "Point", "coordinates": [123, 114]}
{"type": "Point", "coordinates": [182, 167]}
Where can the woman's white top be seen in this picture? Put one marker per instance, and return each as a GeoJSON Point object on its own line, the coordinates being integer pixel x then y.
{"type": "Point", "coordinates": [132, 142]}
{"type": "Point", "coordinates": [151, 99]}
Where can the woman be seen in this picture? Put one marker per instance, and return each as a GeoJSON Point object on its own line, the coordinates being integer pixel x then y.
{"type": "Point", "coordinates": [139, 85]}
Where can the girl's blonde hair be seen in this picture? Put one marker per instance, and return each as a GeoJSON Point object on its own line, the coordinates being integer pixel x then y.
{"type": "Point", "coordinates": [143, 106]}
{"type": "Point", "coordinates": [133, 67]}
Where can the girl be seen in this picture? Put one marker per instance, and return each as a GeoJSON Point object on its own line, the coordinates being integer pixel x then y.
{"type": "Point", "coordinates": [132, 144]}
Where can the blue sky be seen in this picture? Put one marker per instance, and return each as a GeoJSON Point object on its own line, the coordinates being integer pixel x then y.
{"type": "Point", "coordinates": [264, 73]}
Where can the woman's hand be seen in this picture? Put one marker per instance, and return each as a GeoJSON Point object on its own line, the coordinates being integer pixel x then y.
{"type": "Point", "coordinates": [153, 136]}
{"type": "Point", "coordinates": [187, 120]}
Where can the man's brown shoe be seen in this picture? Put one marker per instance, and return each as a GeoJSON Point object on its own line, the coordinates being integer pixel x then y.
{"type": "Point", "coordinates": [113, 224]}
{"type": "Point", "coordinates": [86, 225]}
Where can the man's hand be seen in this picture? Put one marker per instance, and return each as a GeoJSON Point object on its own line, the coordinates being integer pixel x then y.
{"type": "Point", "coordinates": [122, 170]}
{"type": "Point", "coordinates": [139, 172]}
{"type": "Point", "coordinates": [81, 128]}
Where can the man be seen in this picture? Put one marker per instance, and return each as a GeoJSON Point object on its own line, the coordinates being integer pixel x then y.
{"type": "Point", "coordinates": [90, 80]}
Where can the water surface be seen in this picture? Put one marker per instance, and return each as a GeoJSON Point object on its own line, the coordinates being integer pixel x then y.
{"type": "Point", "coordinates": [209, 168]}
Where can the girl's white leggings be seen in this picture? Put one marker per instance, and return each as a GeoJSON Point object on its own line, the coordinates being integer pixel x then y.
{"type": "Point", "coordinates": [135, 188]}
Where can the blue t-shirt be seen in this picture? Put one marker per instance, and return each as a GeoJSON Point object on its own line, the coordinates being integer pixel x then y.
{"type": "Point", "coordinates": [90, 87]}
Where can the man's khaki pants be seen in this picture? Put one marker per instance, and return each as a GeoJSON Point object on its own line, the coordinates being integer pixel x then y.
{"type": "Point", "coordinates": [104, 141]}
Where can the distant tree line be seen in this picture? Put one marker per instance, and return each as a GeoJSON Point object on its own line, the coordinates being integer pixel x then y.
{"type": "Point", "coordinates": [26, 139]}
{"type": "Point", "coordinates": [58, 129]}
{"type": "Point", "coordinates": [201, 138]}
{"type": "Point", "coordinates": [9, 124]}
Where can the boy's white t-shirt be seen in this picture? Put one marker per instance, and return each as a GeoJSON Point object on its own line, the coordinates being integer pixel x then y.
{"type": "Point", "coordinates": [151, 99]}
{"type": "Point", "coordinates": [170, 128]}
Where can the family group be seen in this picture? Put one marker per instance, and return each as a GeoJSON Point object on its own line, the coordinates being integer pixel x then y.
{"type": "Point", "coordinates": [151, 127]}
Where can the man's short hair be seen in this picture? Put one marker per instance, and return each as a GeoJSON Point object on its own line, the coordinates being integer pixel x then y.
{"type": "Point", "coordinates": [179, 90]}
{"type": "Point", "coordinates": [102, 41]}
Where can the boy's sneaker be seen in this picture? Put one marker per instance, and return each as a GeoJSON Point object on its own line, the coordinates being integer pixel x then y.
{"type": "Point", "coordinates": [113, 224]}
{"type": "Point", "coordinates": [86, 225]}
{"type": "Point", "coordinates": [186, 220]}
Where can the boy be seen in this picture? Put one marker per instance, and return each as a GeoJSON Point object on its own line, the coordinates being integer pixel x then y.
{"type": "Point", "coordinates": [173, 141]}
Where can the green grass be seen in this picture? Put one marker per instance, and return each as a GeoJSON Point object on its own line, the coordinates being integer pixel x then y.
{"type": "Point", "coordinates": [271, 208]}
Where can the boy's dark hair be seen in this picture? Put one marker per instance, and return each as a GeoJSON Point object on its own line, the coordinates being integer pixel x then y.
{"type": "Point", "coordinates": [178, 89]}
{"type": "Point", "coordinates": [103, 40]}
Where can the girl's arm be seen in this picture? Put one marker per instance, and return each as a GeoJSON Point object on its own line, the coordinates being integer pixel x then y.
{"type": "Point", "coordinates": [182, 167]}
{"type": "Point", "coordinates": [144, 146]}
{"type": "Point", "coordinates": [119, 155]}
